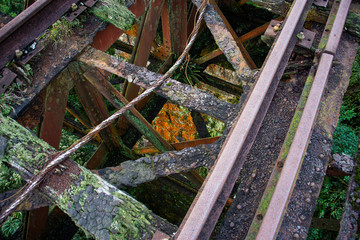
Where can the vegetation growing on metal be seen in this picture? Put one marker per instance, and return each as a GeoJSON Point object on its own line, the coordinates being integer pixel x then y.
{"type": "Point", "coordinates": [62, 29]}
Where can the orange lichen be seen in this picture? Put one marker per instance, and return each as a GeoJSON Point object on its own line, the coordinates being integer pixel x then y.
{"type": "Point", "coordinates": [175, 124]}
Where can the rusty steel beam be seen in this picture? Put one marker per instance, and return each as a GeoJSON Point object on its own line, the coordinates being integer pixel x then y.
{"type": "Point", "coordinates": [96, 109]}
{"type": "Point", "coordinates": [144, 42]}
{"type": "Point", "coordinates": [20, 19]}
{"type": "Point", "coordinates": [54, 109]}
{"type": "Point", "coordinates": [165, 22]}
{"type": "Point", "coordinates": [53, 61]}
{"type": "Point", "coordinates": [133, 116]}
{"type": "Point", "coordinates": [30, 24]}
{"type": "Point", "coordinates": [178, 25]}
{"type": "Point", "coordinates": [50, 131]}
{"type": "Point", "coordinates": [178, 146]}
{"type": "Point", "coordinates": [208, 204]}
{"type": "Point", "coordinates": [84, 120]}
{"type": "Point", "coordinates": [173, 90]}
{"type": "Point", "coordinates": [98, 158]}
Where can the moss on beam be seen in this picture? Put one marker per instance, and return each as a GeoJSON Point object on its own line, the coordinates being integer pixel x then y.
{"type": "Point", "coordinates": [114, 12]}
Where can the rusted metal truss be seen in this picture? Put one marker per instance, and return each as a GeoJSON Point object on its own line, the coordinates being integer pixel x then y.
{"type": "Point", "coordinates": [81, 62]}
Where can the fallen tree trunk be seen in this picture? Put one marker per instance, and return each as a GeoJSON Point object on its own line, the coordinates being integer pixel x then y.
{"type": "Point", "coordinates": [96, 206]}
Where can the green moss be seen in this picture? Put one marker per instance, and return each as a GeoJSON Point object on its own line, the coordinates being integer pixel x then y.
{"type": "Point", "coordinates": [11, 7]}
{"type": "Point", "coordinates": [115, 12]}
{"type": "Point", "coordinates": [88, 179]}
{"type": "Point", "coordinates": [132, 220]}
{"type": "Point", "coordinates": [21, 145]}
{"type": "Point", "coordinates": [353, 23]}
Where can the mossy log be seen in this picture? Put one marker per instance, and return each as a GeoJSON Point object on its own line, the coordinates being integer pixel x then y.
{"type": "Point", "coordinates": [316, 14]}
{"type": "Point", "coordinates": [96, 206]}
{"type": "Point", "coordinates": [146, 169]}
{"type": "Point", "coordinates": [115, 12]}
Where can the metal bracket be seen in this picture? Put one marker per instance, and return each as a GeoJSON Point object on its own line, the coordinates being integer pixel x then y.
{"type": "Point", "coordinates": [306, 41]}
{"type": "Point", "coordinates": [29, 52]}
{"type": "Point", "coordinates": [321, 3]}
{"type": "Point", "coordinates": [82, 6]}
{"type": "Point", "coordinates": [6, 78]}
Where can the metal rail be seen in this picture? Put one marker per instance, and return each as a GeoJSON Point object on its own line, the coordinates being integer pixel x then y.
{"type": "Point", "coordinates": [20, 19]}
{"type": "Point", "coordinates": [29, 25]}
{"type": "Point", "coordinates": [206, 208]}
{"type": "Point", "coordinates": [283, 191]}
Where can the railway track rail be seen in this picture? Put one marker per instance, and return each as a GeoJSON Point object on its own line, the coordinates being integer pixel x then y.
{"type": "Point", "coordinates": [227, 155]}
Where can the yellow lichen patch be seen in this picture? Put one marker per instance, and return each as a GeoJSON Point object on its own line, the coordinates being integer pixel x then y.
{"type": "Point", "coordinates": [175, 123]}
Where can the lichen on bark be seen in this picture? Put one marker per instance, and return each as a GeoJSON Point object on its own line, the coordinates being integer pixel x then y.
{"type": "Point", "coordinates": [115, 12]}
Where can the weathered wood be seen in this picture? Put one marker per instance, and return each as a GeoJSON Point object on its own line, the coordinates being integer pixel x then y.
{"type": "Point", "coordinates": [96, 206]}
{"type": "Point", "coordinates": [226, 42]}
{"type": "Point", "coordinates": [146, 169]}
{"type": "Point", "coordinates": [173, 90]}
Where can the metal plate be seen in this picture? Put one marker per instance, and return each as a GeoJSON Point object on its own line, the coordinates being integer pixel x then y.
{"type": "Point", "coordinates": [76, 13]}
{"type": "Point", "coordinates": [306, 42]}
{"type": "Point", "coordinates": [6, 78]}
{"type": "Point", "coordinates": [321, 3]}
{"type": "Point", "coordinates": [90, 3]}
{"type": "Point", "coordinates": [30, 54]}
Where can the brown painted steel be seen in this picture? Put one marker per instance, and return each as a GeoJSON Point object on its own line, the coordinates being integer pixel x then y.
{"type": "Point", "coordinates": [98, 158]}
{"type": "Point", "coordinates": [96, 110]}
{"type": "Point", "coordinates": [273, 217]}
{"type": "Point", "coordinates": [165, 20]}
{"type": "Point", "coordinates": [177, 146]}
{"type": "Point", "coordinates": [50, 131]}
{"type": "Point", "coordinates": [337, 27]}
{"type": "Point", "coordinates": [36, 22]}
{"type": "Point", "coordinates": [54, 111]}
{"type": "Point", "coordinates": [206, 208]}
{"type": "Point", "coordinates": [178, 25]}
{"type": "Point", "coordinates": [144, 43]}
